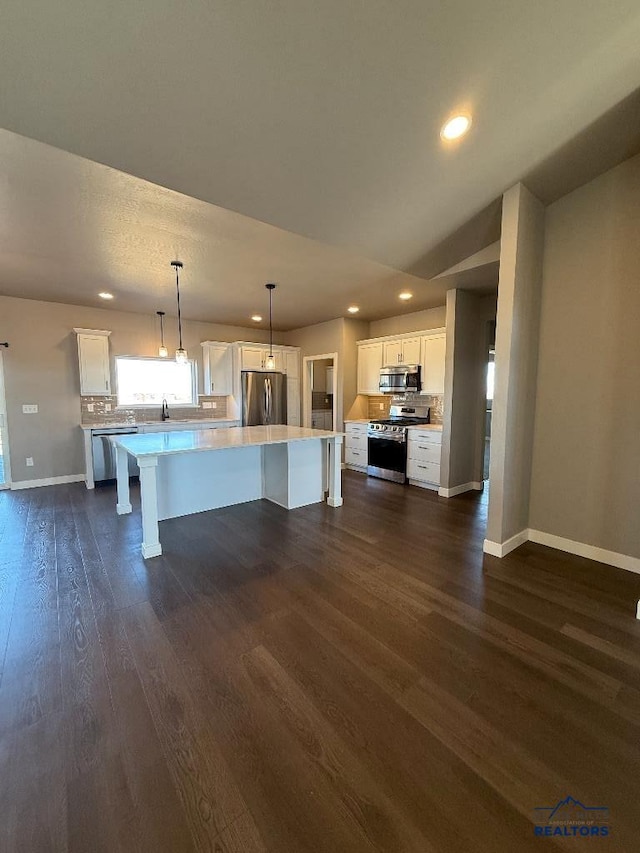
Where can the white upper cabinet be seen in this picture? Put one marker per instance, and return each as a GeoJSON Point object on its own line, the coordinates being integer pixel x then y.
{"type": "Point", "coordinates": [254, 357]}
{"type": "Point", "coordinates": [433, 360]}
{"type": "Point", "coordinates": [392, 353]}
{"type": "Point", "coordinates": [402, 351]}
{"type": "Point", "coordinates": [93, 357]}
{"type": "Point", "coordinates": [411, 351]}
{"type": "Point", "coordinates": [293, 401]}
{"type": "Point", "coordinates": [291, 362]}
{"type": "Point", "coordinates": [369, 364]}
{"type": "Point", "coordinates": [218, 368]}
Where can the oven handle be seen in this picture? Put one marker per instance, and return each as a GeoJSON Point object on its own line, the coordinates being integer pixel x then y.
{"type": "Point", "coordinates": [399, 439]}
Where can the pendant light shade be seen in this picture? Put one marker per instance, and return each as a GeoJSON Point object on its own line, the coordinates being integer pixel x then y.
{"type": "Point", "coordinates": [181, 353]}
{"type": "Point", "coordinates": [163, 352]}
{"type": "Point", "coordinates": [270, 362]}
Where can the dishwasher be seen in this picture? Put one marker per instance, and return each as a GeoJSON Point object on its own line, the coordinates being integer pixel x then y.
{"type": "Point", "coordinates": [104, 454]}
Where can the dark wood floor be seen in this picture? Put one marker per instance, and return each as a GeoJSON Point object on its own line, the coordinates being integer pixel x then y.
{"type": "Point", "coordinates": [317, 680]}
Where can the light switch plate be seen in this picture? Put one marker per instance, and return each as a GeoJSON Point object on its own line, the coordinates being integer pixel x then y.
{"type": "Point", "coordinates": [381, 406]}
{"type": "Point", "coordinates": [29, 461]}
{"type": "Point", "coordinates": [213, 405]}
{"type": "Point", "coordinates": [107, 407]}
{"type": "Point", "coordinates": [29, 409]}
{"type": "Point", "coordinates": [207, 405]}
{"type": "Point", "coordinates": [91, 407]}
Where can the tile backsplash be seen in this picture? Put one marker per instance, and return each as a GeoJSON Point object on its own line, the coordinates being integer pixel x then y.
{"type": "Point", "coordinates": [435, 401]}
{"type": "Point", "coordinates": [100, 415]}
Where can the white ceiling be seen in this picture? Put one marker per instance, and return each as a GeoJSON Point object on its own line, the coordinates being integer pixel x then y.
{"type": "Point", "coordinates": [319, 118]}
{"type": "Point", "coordinates": [70, 228]}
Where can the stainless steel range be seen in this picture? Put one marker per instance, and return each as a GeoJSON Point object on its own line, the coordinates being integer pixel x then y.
{"type": "Point", "coordinates": [387, 441]}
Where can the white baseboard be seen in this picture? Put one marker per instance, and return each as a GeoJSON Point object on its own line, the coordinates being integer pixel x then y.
{"type": "Point", "coordinates": [47, 481]}
{"type": "Point", "coordinates": [581, 549]}
{"type": "Point", "coordinates": [501, 549]}
{"type": "Point", "coordinates": [458, 490]}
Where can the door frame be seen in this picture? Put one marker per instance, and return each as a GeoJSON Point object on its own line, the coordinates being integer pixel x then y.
{"type": "Point", "coordinates": [307, 384]}
{"type": "Point", "coordinates": [5, 427]}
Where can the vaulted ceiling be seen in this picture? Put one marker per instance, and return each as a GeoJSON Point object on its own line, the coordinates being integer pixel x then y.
{"type": "Point", "coordinates": [321, 119]}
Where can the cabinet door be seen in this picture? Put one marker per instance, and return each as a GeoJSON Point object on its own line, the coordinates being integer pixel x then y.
{"type": "Point", "coordinates": [369, 364]}
{"type": "Point", "coordinates": [433, 357]}
{"type": "Point", "coordinates": [293, 401]}
{"type": "Point", "coordinates": [392, 353]}
{"type": "Point", "coordinates": [93, 353]}
{"type": "Point", "coordinates": [329, 382]}
{"type": "Point", "coordinates": [411, 351]}
{"type": "Point", "coordinates": [291, 363]}
{"type": "Point", "coordinates": [219, 375]}
{"type": "Point", "coordinates": [252, 358]}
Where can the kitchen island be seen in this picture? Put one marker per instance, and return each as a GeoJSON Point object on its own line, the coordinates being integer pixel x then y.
{"type": "Point", "coordinates": [191, 471]}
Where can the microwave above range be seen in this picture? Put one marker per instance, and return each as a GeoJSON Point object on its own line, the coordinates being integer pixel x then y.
{"type": "Point", "coordinates": [400, 378]}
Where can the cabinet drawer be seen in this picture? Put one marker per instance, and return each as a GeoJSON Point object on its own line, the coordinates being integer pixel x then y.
{"type": "Point", "coordinates": [355, 457]}
{"type": "Point", "coordinates": [356, 441]}
{"type": "Point", "coordinates": [427, 436]}
{"type": "Point", "coordinates": [423, 452]}
{"type": "Point", "coordinates": [427, 472]}
{"type": "Point", "coordinates": [355, 429]}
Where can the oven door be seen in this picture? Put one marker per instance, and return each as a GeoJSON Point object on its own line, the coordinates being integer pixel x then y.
{"type": "Point", "coordinates": [387, 458]}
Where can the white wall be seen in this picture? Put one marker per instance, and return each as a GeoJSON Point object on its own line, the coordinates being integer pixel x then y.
{"type": "Point", "coordinates": [517, 326]}
{"type": "Point", "coordinates": [586, 450]}
{"type": "Point", "coordinates": [468, 315]}
{"type": "Point", "coordinates": [431, 318]}
{"type": "Point", "coordinates": [41, 366]}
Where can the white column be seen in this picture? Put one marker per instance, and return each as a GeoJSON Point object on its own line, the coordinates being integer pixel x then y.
{"type": "Point", "coordinates": [122, 479]}
{"type": "Point", "coordinates": [149, 503]}
{"type": "Point", "coordinates": [335, 471]}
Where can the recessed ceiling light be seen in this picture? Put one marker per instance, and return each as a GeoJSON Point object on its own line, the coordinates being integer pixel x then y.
{"type": "Point", "coordinates": [105, 295]}
{"type": "Point", "coordinates": [405, 295]}
{"type": "Point", "coordinates": [455, 127]}
{"type": "Point", "coordinates": [353, 309]}
{"type": "Point", "coordinates": [257, 318]}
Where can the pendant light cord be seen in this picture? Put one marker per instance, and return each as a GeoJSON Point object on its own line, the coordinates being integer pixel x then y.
{"type": "Point", "coordinates": [270, 326]}
{"type": "Point", "coordinates": [178, 295]}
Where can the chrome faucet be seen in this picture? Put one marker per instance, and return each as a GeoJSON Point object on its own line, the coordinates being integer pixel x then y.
{"type": "Point", "coordinates": [165, 411]}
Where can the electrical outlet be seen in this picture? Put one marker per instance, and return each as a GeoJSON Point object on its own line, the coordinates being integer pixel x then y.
{"type": "Point", "coordinates": [381, 405]}
{"type": "Point", "coordinates": [30, 409]}
{"type": "Point", "coordinates": [91, 407]}
{"type": "Point", "coordinates": [29, 461]}
{"type": "Point", "coordinates": [107, 407]}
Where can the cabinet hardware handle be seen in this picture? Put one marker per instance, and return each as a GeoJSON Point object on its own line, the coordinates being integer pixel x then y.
{"type": "Point", "coordinates": [423, 466]}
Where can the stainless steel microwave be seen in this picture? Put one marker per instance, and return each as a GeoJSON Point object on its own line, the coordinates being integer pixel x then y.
{"type": "Point", "coordinates": [399, 379]}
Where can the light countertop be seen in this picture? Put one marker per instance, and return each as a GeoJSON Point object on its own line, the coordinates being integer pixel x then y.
{"type": "Point", "coordinates": [193, 441]}
{"type": "Point", "coordinates": [170, 422]}
{"type": "Point", "coordinates": [357, 420]}
{"type": "Point", "coordinates": [435, 427]}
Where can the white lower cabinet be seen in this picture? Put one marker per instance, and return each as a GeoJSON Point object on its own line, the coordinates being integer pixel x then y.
{"type": "Point", "coordinates": [423, 457]}
{"type": "Point", "coordinates": [355, 446]}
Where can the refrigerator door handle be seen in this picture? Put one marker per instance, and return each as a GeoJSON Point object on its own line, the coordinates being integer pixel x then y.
{"type": "Point", "coordinates": [269, 399]}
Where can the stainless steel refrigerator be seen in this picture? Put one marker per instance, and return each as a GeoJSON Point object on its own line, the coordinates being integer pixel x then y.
{"type": "Point", "coordinates": [264, 398]}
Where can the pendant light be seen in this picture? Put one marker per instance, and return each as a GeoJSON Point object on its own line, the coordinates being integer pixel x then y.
{"type": "Point", "coordinates": [181, 353]}
{"type": "Point", "coordinates": [163, 352]}
{"type": "Point", "coordinates": [270, 362]}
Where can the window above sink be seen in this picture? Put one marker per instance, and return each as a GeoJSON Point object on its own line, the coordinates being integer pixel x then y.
{"type": "Point", "coordinates": [146, 382]}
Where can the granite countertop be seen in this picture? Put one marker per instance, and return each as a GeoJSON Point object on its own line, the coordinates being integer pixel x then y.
{"type": "Point", "coordinates": [119, 424]}
{"type": "Point", "coordinates": [193, 441]}
{"type": "Point", "coordinates": [436, 427]}
{"type": "Point", "coordinates": [357, 420]}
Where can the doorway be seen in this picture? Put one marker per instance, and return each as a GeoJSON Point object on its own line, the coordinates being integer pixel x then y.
{"type": "Point", "coordinates": [320, 391]}
{"type": "Point", "coordinates": [5, 468]}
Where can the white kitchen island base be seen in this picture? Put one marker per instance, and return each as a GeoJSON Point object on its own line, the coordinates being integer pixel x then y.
{"type": "Point", "coordinates": [187, 472]}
